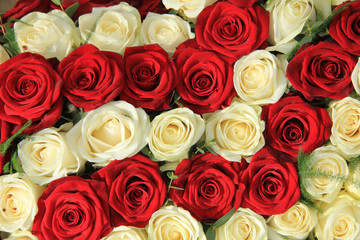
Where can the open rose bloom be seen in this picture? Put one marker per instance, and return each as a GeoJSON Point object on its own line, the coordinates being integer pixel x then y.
{"type": "Point", "coordinates": [180, 119]}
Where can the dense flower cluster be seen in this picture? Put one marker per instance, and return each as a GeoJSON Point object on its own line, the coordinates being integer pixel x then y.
{"type": "Point", "coordinates": [197, 119]}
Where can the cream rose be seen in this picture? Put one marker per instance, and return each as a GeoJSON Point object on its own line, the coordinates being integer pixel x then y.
{"type": "Point", "coordinates": [340, 219]}
{"type": "Point", "coordinates": [116, 130]}
{"type": "Point", "coordinates": [127, 233]}
{"type": "Point", "coordinates": [190, 8]}
{"type": "Point", "coordinates": [238, 130]}
{"type": "Point", "coordinates": [21, 235]}
{"type": "Point", "coordinates": [167, 30]}
{"type": "Point", "coordinates": [45, 156]}
{"type": "Point", "coordinates": [174, 223]}
{"type": "Point", "coordinates": [111, 28]}
{"type": "Point", "coordinates": [355, 77]}
{"type": "Point", "coordinates": [51, 34]}
{"type": "Point", "coordinates": [174, 132]}
{"type": "Point", "coordinates": [330, 160]}
{"type": "Point", "coordinates": [345, 131]}
{"type": "Point", "coordinates": [4, 56]}
{"type": "Point", "coordinates": [259, 78]}
{"type": "Point", "coordinates": [287, 19]}
{"type": "Point", "coordinates": [296, 223]}
{"type": "Point", "coordinates": [18, 202]}
{"type": "Point", "coordinates": [244, 224]}
{"type": "Point", "coordinates": [352, 186]}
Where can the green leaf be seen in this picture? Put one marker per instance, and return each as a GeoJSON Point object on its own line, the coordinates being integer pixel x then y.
{"type": "Point", "coordinates": [211, 150]}
{"type": "Point", "coordinates": [6, 168]}
{"type": "Point", "coordinates": [57, 2]}
{"type": "Point", "coordinates": [200, 150]}
{"type": "Point", "coordinates": [171, 175]}
{"type": "Point", "coordinates": [173, 11]}
{"type": "Point", "coordinates": [306, 39]}
{"type": "Point", "coordinates": [211, 233]}
{"type": "Point", "coordinates": [213, 141]}
{"type": "Point", "coordinates": [176, 188]}
{"type": "Point", "coordinates": [316, 24]}
{"type": "Point", "coordinates": [11, 43]}
{"type": "Point", "coordinates": [15, 162]}
{"type": "Point", "coordinates": [70, 11]}
{"type": "Point", "coordinates": [221, 221]}
{"type": "Point", "coordinates": [77, 116]}
{"type": "Point", "coordinates": [5, 145]}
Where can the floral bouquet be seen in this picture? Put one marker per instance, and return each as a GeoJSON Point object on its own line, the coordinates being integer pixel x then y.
{"type": "Point", "coordinates": [172, 119]}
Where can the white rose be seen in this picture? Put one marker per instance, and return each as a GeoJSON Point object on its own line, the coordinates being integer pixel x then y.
{"type": "Point", "coordinates": [345, 131]}
{"type": "Point", "coordinates": [174, 132]}
{"type": "Point", "coordinates": [244, 224]}
{"type": "Point", "coordinates": [51, 34]}
{"type": "Point", "coordinates": [352, 186]}
{"type": "Point", "coordinates": [340, 219]}
{"type": "Point", "coordinates": [4, 56]}
{"type": "Point", "coordinates": [337, 2]}
{"type": "Point", "coordinates": [45, 156]}
{"type": "Point", "coordinates": [259, 78]}
{"type": "Point", "coordinates": [21, 235]}
{"type": "Point", "coordinates": [330, 160]}
{"type": "Point", "coordinates": [190, 8]}
{"type": "Point", "coordinates": [127, 233]}
{"type": "Point", "coordinates": [18, 201]}
{"type": "Point", "coordinates": [355, 77]}
{"type": "Point", "coordinates": [174, 223]}
{"type": "Point", "coordinates": [287, 19]}
{"type": "Point", "coordinates": [167, 30]}
{"type": "Point", "coordinates": [116, 130]}
{"type": "Point", "coordinates": [296, 223]}
{"type": "Point", "coordinates": [111, 28]}
{"type": "Point", "coordinates": [238, 130]}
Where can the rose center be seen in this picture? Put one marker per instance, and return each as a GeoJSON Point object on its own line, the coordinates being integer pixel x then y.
{"type": "Point", "coordinates": [26, 87]}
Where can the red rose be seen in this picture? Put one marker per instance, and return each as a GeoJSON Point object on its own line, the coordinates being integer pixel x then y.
{"type": "Point", "coordinates": [210, 184]}
{"type": "Point", "coordinates": [322, 70]}
{"type": "Point", "coordinates": [92, 77]}
{"type": "Point", "coordinates": [136, 190]}
{"type": "Point", "coordinates": [30, 89]}
{"type": "Point", "coordinates": [345, 27]}
{"type": "Point", "coordinates": [145, 6]}
{"type": "Point", "coordinates": [205, 80]}
{"type": "Point", "coordinates": [73, 208]}
{"type": "Point", "coordinates": [149, 77]}
{"type": "Point", "coordinates": [241, 3]}
{"type": "Point", "coordinates": [23, 7]}
{"type": "Point", "coordinates": [292, 124]}
{"type": "Point", "coordinates": [272, 186]}
{"type": "Point", "coordinates": [5, 133]}
{"type": "Point", "coordinates": [231, 30]}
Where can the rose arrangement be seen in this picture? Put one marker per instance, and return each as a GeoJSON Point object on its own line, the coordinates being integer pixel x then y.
{"type": "Point", "coordinates": [200, 119]}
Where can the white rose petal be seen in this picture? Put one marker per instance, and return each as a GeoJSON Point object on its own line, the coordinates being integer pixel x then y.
{"type": "Point", "coordinates": [45, 156]}
{"type": "Point", "coordinates": [174, 132]}
{"type": "Point", "coordinates": [340, 219]}
{"type": "Point", "coordinates": [296, 223]}
{"type": "Point", "coordinates": [287, 19]}
{"type": "Point", "coordinates": [116, 130]}
{"type": "Point", "coordinates": [190, 8]}
{"type": "Point", "coordinates": [21, 235]}
{"type": "Point", "coordinates": [116, 27]}
{"type": "Point", "coordinates": [51, 34]}
{"type": "Point", "coordinates": [4, 56]}
{"type": "Point", "coordinates": [259, 78]}
{"type": "Point", "coordinates": [167, 30]}
{"type": "Point", "coordinates": [238, 130]}
{"type": "Point", "coordinates": [355, 77]}
{"type": "Point", "coordinates": [330, 160]}
{"type": "Point", "coordinates": [345, 131]}
{"type": "Point", "coordinates": [127, 233]}
{"type": "Point", "coordinates": [18, 202]}
{"type": "Point", "coordinates": [244, 224]}
{"type": "Point", "coordinates": [174, 223]}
